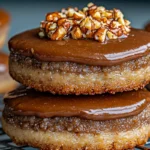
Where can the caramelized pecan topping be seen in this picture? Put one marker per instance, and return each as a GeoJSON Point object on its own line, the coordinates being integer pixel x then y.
{"type": "Point", "coordinates": [91, 22]}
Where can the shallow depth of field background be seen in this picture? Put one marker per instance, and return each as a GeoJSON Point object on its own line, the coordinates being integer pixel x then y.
{"type": "Point", "coordinates": [27, 14]}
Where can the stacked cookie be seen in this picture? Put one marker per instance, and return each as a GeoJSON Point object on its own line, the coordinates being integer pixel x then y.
{"type": "Point", "coordinates": [84, 73]}
{"type": "Point", "coordinates": [6, 83]}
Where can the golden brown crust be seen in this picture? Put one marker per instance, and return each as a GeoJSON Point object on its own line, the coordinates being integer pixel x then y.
{"type": "Point", "coordinates": [78, 141]}
{"type": "Point", "coordinates": [124, 77]}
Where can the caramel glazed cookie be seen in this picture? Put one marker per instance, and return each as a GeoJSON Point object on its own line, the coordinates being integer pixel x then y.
{"type": "Point", "coordinates": [99, 122]}
{"type": "Point", "coordinates": [92, 51]}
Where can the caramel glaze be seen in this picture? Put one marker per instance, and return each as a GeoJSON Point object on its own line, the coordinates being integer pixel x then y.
{"type": "Point", "coordinates": [27, 102]}
{"type": "Point", "coordinates": [4, 18]}
{"type": "Point", "coordinates": [3, 62]}
{"type": "Point", "coordinates": [88, 52]}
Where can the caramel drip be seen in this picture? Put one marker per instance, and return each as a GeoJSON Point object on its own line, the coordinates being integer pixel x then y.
{"type": "Point", "coordinates": [88, 52]}
{"type": "Point", "coordinates": [26, 101]}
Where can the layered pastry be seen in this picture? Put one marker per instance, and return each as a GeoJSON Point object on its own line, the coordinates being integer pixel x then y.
{"type": "Point", "coordinates": [84, 52]}
{"type": "Point", "coordinates": [6, 82]}
{"type": "Point", "coordinates": [4, 26]}
{"type": "Point", "coordinates": [101, 122]}
{"type": "Point", "coordinates": [89, 51]}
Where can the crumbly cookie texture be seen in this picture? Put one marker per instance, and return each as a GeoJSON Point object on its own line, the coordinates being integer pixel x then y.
{"type": "Point", "coordinates": [92, 22]}
{"type": "Point", "coordinates": [78, 141]}
{"type": "Point", "coordinates": [72, 78]}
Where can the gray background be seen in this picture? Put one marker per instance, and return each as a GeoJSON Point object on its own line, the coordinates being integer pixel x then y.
{"type": "Point", "coordinates": [28, 14]}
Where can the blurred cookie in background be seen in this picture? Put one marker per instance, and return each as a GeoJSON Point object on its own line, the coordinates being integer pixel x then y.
{"type": "Point", "coordinates": [4, 26]}
{"type": "Point", "coordinates": [147, 27]}
{"type": "Point", "coordinates": [6, 82]}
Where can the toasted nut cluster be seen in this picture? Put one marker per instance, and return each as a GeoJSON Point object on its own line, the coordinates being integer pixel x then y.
{"type": "Point", "coordinates": [91, 22]}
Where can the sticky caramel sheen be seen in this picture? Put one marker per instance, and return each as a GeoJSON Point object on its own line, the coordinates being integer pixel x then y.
{"type": "Point", "coordinates": [84, 51]}
{"type": "Point", "coordinates": [26, 101]}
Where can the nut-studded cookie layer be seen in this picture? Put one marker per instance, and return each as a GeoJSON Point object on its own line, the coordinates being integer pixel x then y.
{"type": "Point", "coordinates": [65, 133]}
{"type": "Point", "coordinates": [81, 141]}
{"type": "Point", "coordinates": [77, 122]}
{"type": "Point", "coordinates": [73, 78]}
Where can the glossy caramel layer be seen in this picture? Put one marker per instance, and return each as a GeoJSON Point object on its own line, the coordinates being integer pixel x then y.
{"type": "Point", "coordinates": [87, 52]}
{"type": "Point", "coordinates": [3, 62]}
{"type": "Point", "coordinates": [4, 17]}
{"type": "Point", "coordinates": [26, 101]}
